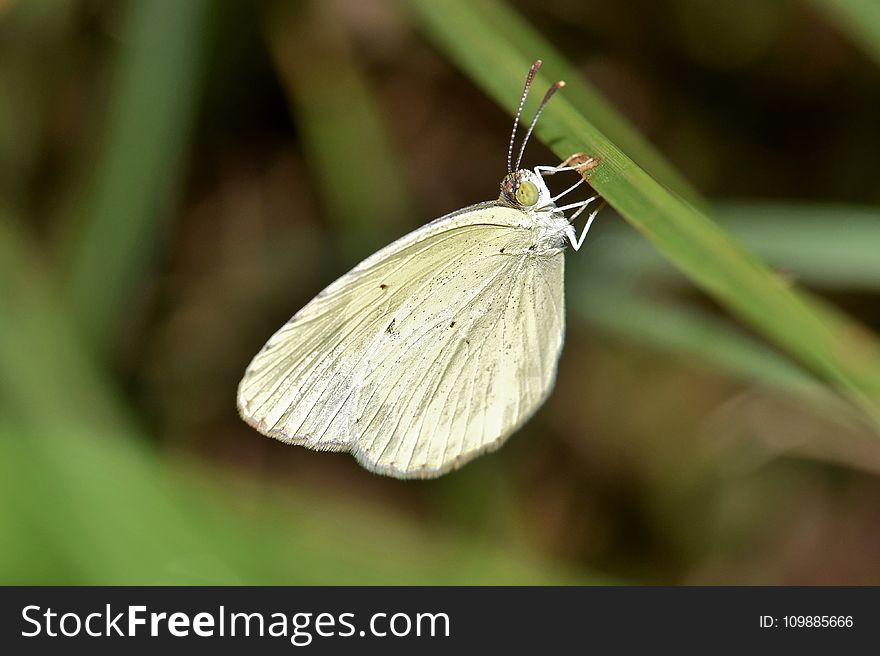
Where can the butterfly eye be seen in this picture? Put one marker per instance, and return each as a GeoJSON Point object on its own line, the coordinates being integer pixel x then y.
{"type": "Point", "coordinates": [526, 194]}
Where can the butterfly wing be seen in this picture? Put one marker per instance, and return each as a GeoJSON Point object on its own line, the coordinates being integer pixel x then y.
{"type": "Point", "coordinates": [426, 354]}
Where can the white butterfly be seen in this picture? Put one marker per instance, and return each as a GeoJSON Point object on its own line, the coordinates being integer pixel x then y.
{"type": "Point", "coordinates": [436, 348]}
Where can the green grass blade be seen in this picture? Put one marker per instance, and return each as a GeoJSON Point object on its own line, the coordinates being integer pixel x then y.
{"type": "Point", "coordinates": [860, 19]}
{"type": "Point", "coordinates": [694, 334]}
{"type": "Point", "coordinates": [828, 246]}
{"type": "Point", "coordinates": [824, 245]}
{"type": "Point", "coordinates": [46, 371]}
{"type": "Point", "coordinates": [363, 185]}
{"type": "Point", "coordinates": [821, 338]}
{"type": "Point", "coordinates": [152, 104]}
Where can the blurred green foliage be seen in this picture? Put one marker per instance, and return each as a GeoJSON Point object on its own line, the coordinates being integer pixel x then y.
{"type": "Point", "coordinates": [176, 179]}
{"type": "Point", "coordinates": [859, 19]}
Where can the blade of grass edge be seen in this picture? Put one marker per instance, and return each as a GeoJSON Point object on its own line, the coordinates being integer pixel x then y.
{"type": "Point", "coordinates": [827, 246]}
{"type": "Point", "coordinates": [678, 329]}
{"type": "Point", "coordinates": [152, 104]}
{"type": "Point", "coordinates": [337, 113]}
{"type": "Point", "coordinates": [858, 19]}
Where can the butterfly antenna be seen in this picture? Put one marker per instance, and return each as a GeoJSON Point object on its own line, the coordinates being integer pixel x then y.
{"type": "Point", "coordinates": [547, 96]}
{"type": "Point", "coordinates": [522, 102]}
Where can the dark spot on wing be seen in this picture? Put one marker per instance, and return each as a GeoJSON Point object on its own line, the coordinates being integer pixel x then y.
{"type": "Point", "coordinates": [390, 328]}
{"type": "Point", "coordinates": [451, 324]}
{"type": "Point", "coordinates": [383, 286]}
{"type": "Point", "coordinates": [501, 251]}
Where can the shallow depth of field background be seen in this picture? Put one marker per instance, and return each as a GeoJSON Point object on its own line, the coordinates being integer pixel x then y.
{"type": "Point", "coordinates": [178, 178]}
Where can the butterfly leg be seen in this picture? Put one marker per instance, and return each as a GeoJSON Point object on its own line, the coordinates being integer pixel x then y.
{"type": "Point", "coordinates": [569, 190]}
{"type": "Point", "coordinates": [579, 162]}
{"type": "Point", "coordinates": [577, 242]}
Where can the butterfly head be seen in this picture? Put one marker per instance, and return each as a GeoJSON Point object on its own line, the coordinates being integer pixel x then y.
{"type": "Point", "coordinates": [525, 190]}
{"type": "Point", "coordinates": [522, 188]}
